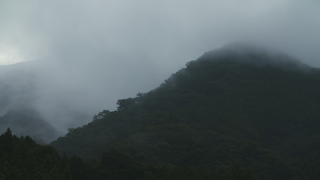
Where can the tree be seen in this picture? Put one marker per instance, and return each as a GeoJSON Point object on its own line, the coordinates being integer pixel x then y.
{"type": "Point", "coordinates": [8, 133]}
{"type": "Point", "coordinates": [125, 104]}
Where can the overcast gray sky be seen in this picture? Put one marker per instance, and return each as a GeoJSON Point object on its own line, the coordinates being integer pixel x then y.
{"type": "Point", "coordinates": [165, 33]}
{"type": "Point", "coordinates": [98, 51]}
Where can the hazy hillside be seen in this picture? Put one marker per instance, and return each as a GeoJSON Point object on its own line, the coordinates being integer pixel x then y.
{"type": "Point", "coordinates": [28, 122]}
{"type": "Point", "coordinates": [236, 104]}
{"type": "Point", "coordinates": [18, 96]}
{"type": "Point", "coordinates": [67, 95]}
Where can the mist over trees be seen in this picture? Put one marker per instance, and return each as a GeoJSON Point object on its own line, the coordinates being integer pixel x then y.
{"type": "Point", "coordinates": [61, 97]}
{"type": "Point", "coordinates": [220, 109]}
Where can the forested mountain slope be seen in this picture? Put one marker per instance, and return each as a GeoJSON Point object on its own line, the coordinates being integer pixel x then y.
{"type": "Point", "coordinates": [235, 104]}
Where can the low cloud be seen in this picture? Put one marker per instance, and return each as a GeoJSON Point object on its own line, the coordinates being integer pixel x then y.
{"type": "Point", "coordinates": [91, 53]}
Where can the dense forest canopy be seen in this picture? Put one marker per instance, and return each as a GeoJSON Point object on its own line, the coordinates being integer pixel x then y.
{"type": "Point", "coordinates": [23, 159]}
{"type": "Point", "coordinates": [236, 104]}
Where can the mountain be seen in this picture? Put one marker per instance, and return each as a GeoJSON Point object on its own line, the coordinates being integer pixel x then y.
{"type": "Point", "coordinates": [38, 98]}
{"type": "Point", "coordinates": [239, 103]}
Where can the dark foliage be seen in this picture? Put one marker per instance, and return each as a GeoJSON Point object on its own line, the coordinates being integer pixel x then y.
{"type": "Point", "coordinates": [21, 158]}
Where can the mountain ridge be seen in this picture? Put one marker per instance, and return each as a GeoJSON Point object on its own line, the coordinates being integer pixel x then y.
{"type": "Point", "coordinates": [257, 55]}
{"type": "Point", "coordinates": [211, 113]}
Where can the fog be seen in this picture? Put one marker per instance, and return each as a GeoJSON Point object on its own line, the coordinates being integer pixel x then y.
{"type": "Point", "coordinates": [85, 55]}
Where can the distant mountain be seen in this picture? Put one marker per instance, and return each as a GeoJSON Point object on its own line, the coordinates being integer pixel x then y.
{"type": "Point", "coordinates": [67, 93]}
{"type": "Point", "coordinates": [239, 103]}
{"type": "Point", "coordinates": [28, 122]}
{"type": "Point", "coordinates": [18, 93]}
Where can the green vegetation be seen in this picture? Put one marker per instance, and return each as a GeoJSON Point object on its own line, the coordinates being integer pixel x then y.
{"type": "Point", "coordinates": [22, 158]}
{"type": "Point", "coordinates": [217, 111]}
